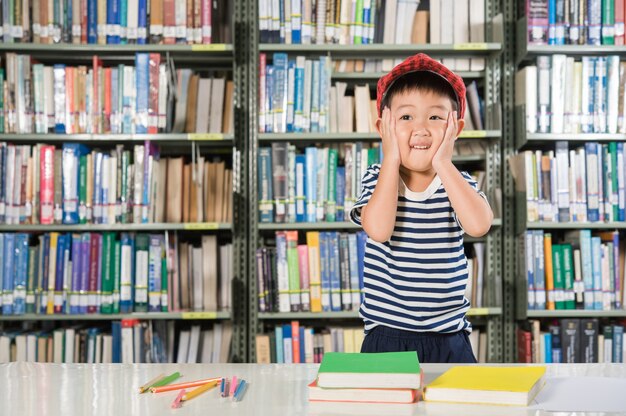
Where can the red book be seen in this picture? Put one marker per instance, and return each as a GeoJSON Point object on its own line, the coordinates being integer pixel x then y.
{"type": "Point", "coordinates": [83, 22]}
{"type": "Point", "coordinates": [169, 22]}
{"type": "Point", "coordinates": [619, 21]}
{"type": "Point", "coordinates": [524, 346]}
{"type": "Point", "coordinates": [94, 260]}
{"type": "Point", "coordinates": [153, 99]}
{"type": "Point", "coordinates": [46, 189]}
{"type": "Point", "coordinates": [295, 341]}
{"type": "Point", "coordinates": [206, 21]}
{"type": "Point", "coordinates": [96, 104]}
{"type": "Point", "coordinates": [107, 100]}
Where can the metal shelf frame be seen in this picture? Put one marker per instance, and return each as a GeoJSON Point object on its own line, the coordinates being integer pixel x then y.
{"type": "Point", "coordinates": [491, 79]}
{"type": "Point", "coordinates": [110, 317]}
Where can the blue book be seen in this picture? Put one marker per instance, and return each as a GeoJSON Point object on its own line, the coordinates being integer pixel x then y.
{"type": "Point", "coordinates": [280, 357]}
{"type": "Point", "coordinates": [296, 22]}
{"type": "Point", "coordinates": [116, 332]}
{"type": "Point", "coordinates": [115, 100]}
{"type": "Point", "coordinates": [269, 98]}
{"type": "Point", "coordinates": [540, 274]}
{"type": "Point", "coordinates": [124, 21]}
{"type": "Point", "coordinates": [113, 21]}
{"type": "Point", "coordinates": [142, 23]}
{"type": "Point", "coordinates": [361, 238]}
{"type": "Point", "coordinates": [530, 267]}
{"type": "Point", "coordinates": [142, 85]}
{"type": "Point", "coordinates": [77, 259]}
{"type": "Point", "coordinates": [62, 243]}
{"type": "Point", "coordinates": [154, 272]}
{"type": "Point", "coordinates": [353, 261]}
{"type": "Point", "coordinates": [298, 102]}
{"type": "Point", "coordinates": [8, 266]}
{"type": "Point", "coordinates": [596, 266]}
{"type": "Point", "coordinates": [92, 21]}
{"type": "Point", "coordinates": [593, 191]}
{"type": "Point", "coordinates": [548, 347]}
{"type": "Point", "coordinates": [334, 272]}
{"type": "Point", "coordinates": [587, 267]}
{"type": "Point", "coordinates": [552, 22]}
{"type": "Point", "coordinates": [45, 258]}
{"type": "Point", "coordinates": [279, 93]}
{"type": "Point", "coordinates": [618, 334]}
{"type": "Point", "coordinates": [281, 16]}
{"type": "Point", "coordinates": [97, 188]}
{"type": "Point", "coordinates": [287, 344]}
{"type": "Point", "coordinates": [315, 97]}
{"type": "Point", "coordinates": [20, 274]}
{"type": "Point", "coordinates": [291, 91]}
{"type": "Point", "coordinates": [151, 150]}
{"type": "Point", "coordinates": [303, 346]}
{"type": "Point", "coordinates": [340, 194]}
{"type": "Point", "coordinates": [311, 184]}
{"type": "Point", "coordinates": [325, 270]}
{"type": "Point", "coordinates": [367, 17]}
{"type": "Point", "coordinates": [59, 102]}
{"type": "Point", "coordinates": [71, 173]}
{"type": "Point", "coordinates": [301, 181]}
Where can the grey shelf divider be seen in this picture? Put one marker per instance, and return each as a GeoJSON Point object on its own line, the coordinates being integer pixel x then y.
{"type": "Point", "coordinates": [476, 312]}
{"type": "Point", "coordinates": [491, 78]}
{"type": "Point", "coordinates": [372, 77]}
{"type": "Point", "coordinates": [576, 313]}
{"type": "Point", "coordinates": [198, 226]}
{"type": "Point", "coordinates": [111, 317]}
{"type": "Point", "coordinates": [211, 139]}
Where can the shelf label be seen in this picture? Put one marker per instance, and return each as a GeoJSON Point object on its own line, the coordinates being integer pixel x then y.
{"type": "Point", "coordinates": [205, 136]}
{"type": "Point", "coordinates": [199, 315]}
{"type": "Point", "coordinates": [201, 226]}
{"type": "Point", "coordinates": [471, 46]}
{"type": "Point", "coordinates": [214, 47]}
{"type": "Point", "coordinates": [473, 134]}
{"type": "Point", "coordinates": [479, 311]}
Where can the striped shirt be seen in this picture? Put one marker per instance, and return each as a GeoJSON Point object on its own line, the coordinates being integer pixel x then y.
{"type": "Point", "coordinates": [416, 280]}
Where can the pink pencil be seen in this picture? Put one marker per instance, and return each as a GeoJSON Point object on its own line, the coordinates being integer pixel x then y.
{"type": "Point", "coordinates": [233, 386]}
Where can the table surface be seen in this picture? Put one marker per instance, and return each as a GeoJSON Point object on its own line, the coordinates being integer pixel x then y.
{"type": "Point", "coordinates": [274, 389]}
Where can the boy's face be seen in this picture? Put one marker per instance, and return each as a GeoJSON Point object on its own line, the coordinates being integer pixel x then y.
{"type": "Point", "coordinates": [421, 121]}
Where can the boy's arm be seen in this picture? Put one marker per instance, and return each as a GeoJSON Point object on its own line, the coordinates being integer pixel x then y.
{"type": "Point", "coordinates": [472, 210]}
{"type": "Point", "coordinates": [379, 215]}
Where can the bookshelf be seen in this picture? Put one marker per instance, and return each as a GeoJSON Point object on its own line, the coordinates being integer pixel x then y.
{"type": "Point", "coordinates": [223, 58]}
{"type": "Point", "coordinates": [516, 223]}
{"type": "Point", "coordinates": [488, 79]}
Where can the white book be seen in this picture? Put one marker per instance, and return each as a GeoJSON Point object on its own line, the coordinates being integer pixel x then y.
{"type": "Point", "coordinates": [477, 30]}
{"type": "Point", "coordinates": [308, 345]}
{"type": "Point", "coordinates": [389, 34]}
{"type": "Point", "coordinates": [435, 22]}
{"type": "Point", "coordinates": [20, 348]}
{"type": "Point", "coordinates": [612, 90]}
{"type": "Point", "coordinates": [227, 334]}
{"type": "Point", "coordinates": [31, 348]}
{"type": "Point", "coordinates": [402, 9]}
{"type": "Point", "coordinates": [194, 344]}
{"type": "Point", "coordinates": [183, 347]}
{"type": "Point", "coordinates": [600, 95]}
{"type": "Point", "coordinates": [557, 99]}
{"type": "Point", "coordinates": [98, 355]}
{"type": "Point", "coordinates": [568, 97]}
{"type": "Point", "coordinates": [446, 20]}
{"type": "Point", "coordinates": [204, 105]}
{"type": "Point", "coordinates": [112, 182]}
{"type": "Point", "coordinates": [132, 21]}
{"type": "Point", "coordinates": [563, 197]}
{"type": "Point", "coordinates": [225, 276]}
{"type": "Point", "coordinates": [217, 105]}
{"type": "Point", "coordinates": [461, 31]}
{"type": "Point", "coordinates": [217, 342]}
{"type": "Point", "coordinates": [320, 25]}
{"type": "Point", "coordinates": [470, 280]}
{"type": "Point", "coordinates": [209, 272]}
{"type": "Point", "coordinates": [333, 128]}
{"type": "Point", "coordinates": [137, 341]}
{"type": "Point", "coordinates": [128, 346]}
{"type": "Point", "coordinates": [197, 277]}
{"type": "Point", "coordinates": [5, 349]}
{"type": "Point", "coordinates": [543, 76]}
{"type": "Point", "coordinates": [163, 95]}
{"type": "Point", "coordinates": [180, 17]}
{"type": "Point", "coordinates": [107, 349]}
{"type": "Point", "coordinates": [307, 93]}
{"type": "Point", "coordinates": [586, 98]}
{"type": "Point", "coordinates": [207, 346]}
{"type": "Point", "coordinates": [70, 333]}
{"type": "Point", "coordinates": [362, 111]}
{"type": "Point", "coordinates": [479, 249]}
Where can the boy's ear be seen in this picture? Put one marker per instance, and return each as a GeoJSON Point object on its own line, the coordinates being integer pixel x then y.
{"type": "Point", "coordinates": [461, 124]}
{"type": "Point", "coordinates": [379, 123]}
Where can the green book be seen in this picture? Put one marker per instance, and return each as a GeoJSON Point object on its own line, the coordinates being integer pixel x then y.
{"type": "Point", "coordinates": [614, 181]}
{"type": "Point", "coordinates": [608, 22]}
{"type": "Point", "coordinates": [331, 196]}
{"type": "Point", "coordinates": [82, 189]}
{"type": "Point", "coordinates": [33, 257]}
{"type": "Point", "coordinates": [1, 102]}
{"type": "Point", "coordinates": [164, 299]}
{"type": "Point", "coordinates": [142, 247]}
{"type": "Point", "coordinates": [106, 307]}
{"type": "Point", "coordinates": [559, 281]}
{"type": "Point", "coordinates": [116, 273]}
{"type": "Point", "coordinates": [293, 270]}
{"type": "Point", "coordinates": [388, 370]}
{"type": "Point", "coordinates": [568, 270]}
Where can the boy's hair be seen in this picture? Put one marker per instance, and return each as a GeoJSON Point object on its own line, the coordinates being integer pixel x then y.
{"type": "Point", "coordinates": [422, 81]}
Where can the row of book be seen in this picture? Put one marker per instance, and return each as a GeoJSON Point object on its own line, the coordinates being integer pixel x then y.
{"type": "Point", "coordinates": [109, 274]}
{"type": "Point", "coordinates": [575, 22]}
{"type": "Point", "coordinates": [127, 341]}
{"type": "Point", "coordinates": [584, 271]}
{"type": "Point", "coordinates": [149, 97]}
{"type": "Point", "coordinates": [296, 343]}
{"type": "Point", "coordinates": [578, 185]}
{"type": "Point", "coordinates": [322, 183]}
{"type": "Point", "coordinates": [571, 341]}
{"type": "Point", "coordinates": [562, 95]}
{"type": "Point", "coordinates": [117, 21]}
{"type": "Point", "coordinates": [323, 273]}
{"type": "Point", "coordinates": [76, 185]}
{"type": "Point", "coordinates": [296, 95]}
{"type": "Point", "coordinates": [379, 21]}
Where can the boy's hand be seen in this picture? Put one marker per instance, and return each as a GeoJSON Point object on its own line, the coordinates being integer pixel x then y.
{"type": "Point", "coordinates": [387, 129]}
{"type": "Point", "coordinates": [443, 156]}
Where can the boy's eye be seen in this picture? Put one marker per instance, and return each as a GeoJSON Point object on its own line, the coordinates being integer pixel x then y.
{"type": "Point", "coordinates": [435, 117]}
{"type": "Point", "coordinates": [405, 117]}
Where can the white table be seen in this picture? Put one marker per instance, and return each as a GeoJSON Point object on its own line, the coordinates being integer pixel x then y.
{"type": "Point", "coordinates": [275, 389]}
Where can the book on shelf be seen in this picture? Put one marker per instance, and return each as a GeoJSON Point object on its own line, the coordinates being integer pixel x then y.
{"type": "Point", "coordinates": [571, 340]}
{"type": "Point", "coordinates": [129, 341]}
{"type": "Point", "coordinates": [295, 342]}
{"type": "Point", "coordinates": [390, 370]}
{"type": "Point", "coordinates": [564, 94]}
{"type": "Point", "coordinates": [297, 95]}
{"type": "Point", "coordinates": [321, 274]}
{"type": "Point", "coordinates": [86, 273]}
{"type": "Point", "coordinates": [575, 183]}
{"type": "Point", "coordinates": [76, 185]}
{"type": "Point", "coordinates": [514, 386]}
{"type": "Point", "coordinates": [119, 99]}
{"type": "Point", "coordinates": [583, 271]}
{"type": "Point", "coordinates": [575, 22]}
{"type": "Point", "coordinates": [117, 22]}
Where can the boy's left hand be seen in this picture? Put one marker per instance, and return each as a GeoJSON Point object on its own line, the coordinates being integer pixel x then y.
{"type": "Point", "coordinates": [443, 156]}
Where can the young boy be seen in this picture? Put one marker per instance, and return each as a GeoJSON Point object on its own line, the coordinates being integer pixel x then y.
{"type": "Point", "coordinates": [415, 207]}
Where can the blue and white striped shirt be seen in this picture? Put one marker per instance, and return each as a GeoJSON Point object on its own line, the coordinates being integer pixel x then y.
{"type": "Point", "coordinates": [416, 281]}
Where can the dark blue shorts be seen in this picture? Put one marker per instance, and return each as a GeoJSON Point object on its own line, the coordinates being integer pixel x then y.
{"type": "Point", "coordinates": [431, 347]}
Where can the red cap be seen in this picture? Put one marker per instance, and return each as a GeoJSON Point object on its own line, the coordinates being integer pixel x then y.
{"type": "Point", "coordinates": [421, 62]}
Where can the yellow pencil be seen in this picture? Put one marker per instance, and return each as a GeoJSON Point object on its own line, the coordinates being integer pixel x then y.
{"type": "Point", "coordinates": [197, 391]}
{"type": "Point", "coordinates": [146, 386]}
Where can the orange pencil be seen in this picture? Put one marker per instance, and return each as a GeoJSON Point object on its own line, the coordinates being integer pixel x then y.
{"type": "Point", "coordinates": [186, 385]}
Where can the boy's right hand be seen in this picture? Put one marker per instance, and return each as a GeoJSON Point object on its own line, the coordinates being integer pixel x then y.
{"type": "Point", "coordinates": [387, 130]}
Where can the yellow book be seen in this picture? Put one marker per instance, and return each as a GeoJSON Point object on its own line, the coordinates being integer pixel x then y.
{"type": "Point", "coordinates": [315, 279]}
{"type": "Point", "coordinates": [515, 386]}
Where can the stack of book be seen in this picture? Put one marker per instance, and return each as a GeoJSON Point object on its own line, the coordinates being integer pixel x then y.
{"type": "Point", "coordinates": [393, 377]}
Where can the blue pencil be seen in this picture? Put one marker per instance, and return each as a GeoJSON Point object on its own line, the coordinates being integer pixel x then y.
{"type": "Point", "coordinates": [240, 389]}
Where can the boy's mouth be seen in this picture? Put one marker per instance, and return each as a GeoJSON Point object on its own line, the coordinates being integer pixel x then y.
{"type": "Point", "coordinates": [420, 147]}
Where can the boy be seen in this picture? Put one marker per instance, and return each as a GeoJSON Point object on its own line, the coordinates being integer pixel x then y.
{"type": "Point", "coordinates": [415, 207]}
